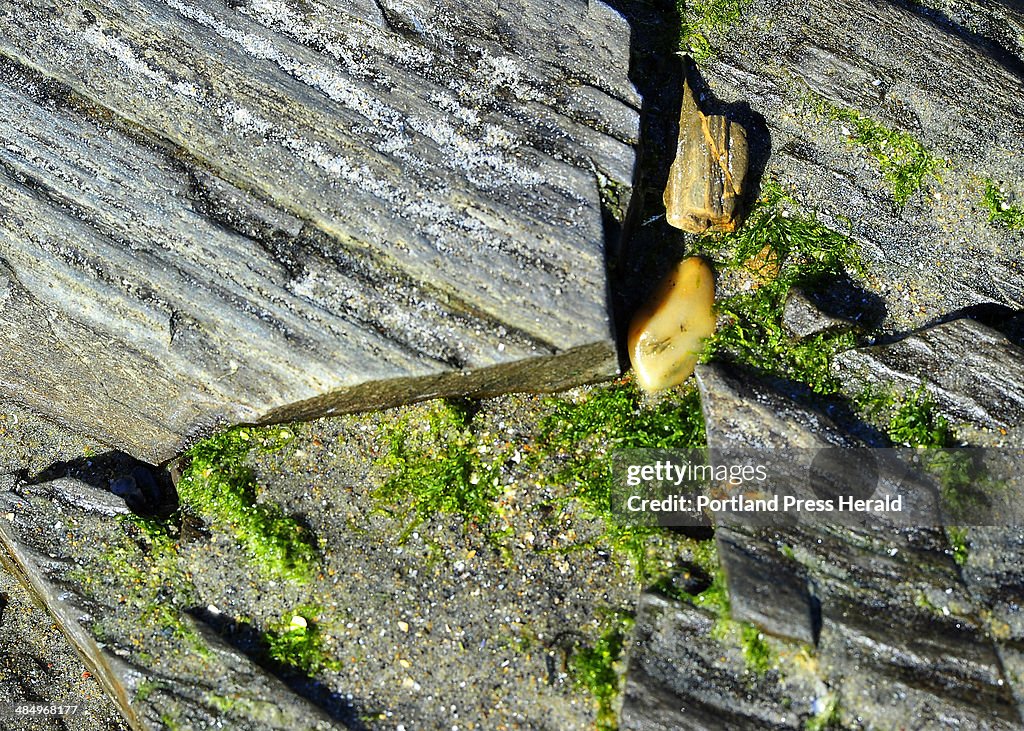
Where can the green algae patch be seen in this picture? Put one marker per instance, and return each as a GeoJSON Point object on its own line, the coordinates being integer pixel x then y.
{"type": "Point", "coordinates": [782, 247]}
{"type": "Point", "coordinates": [700, 21]}
{"type": "Point", "coordinates": [594, 668]}
{"type": "Point", "coordinates": [579, 435]}
{"type": "Point", "coordinates": [958, 543]}
{"type": "Point", "coordinates": [905, 163]}
{"type": "Point", "coordinates": [218, 485]}
{"type": "Point", "coordinates": [1000, 211]}
{"type": "Point", "coordinates": [152, 582]}
{"type": "Point", "coordinates": [909, 420]}
{"type": "Point", "coordinates": [297, 642]}
{"type": "Point", "coordinates": [440, 466]}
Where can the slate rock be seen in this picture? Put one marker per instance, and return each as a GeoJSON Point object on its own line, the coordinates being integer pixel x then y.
{"type": "Point", "coordinates": [801, 317]}
{"type": "Point", "coordinates": [972, 373]}
{"type": "Point", "coordinates": [767, 588]}
{"type": "Point", "coordinates": [47, 533]}
{"type": "Point", "coordinates": [901, 636]}
{"type": "Point", "coordinates": [681, 679]}
{"type": "Point", "coordinates": [38, 665]}
{"type": "Point", "coordinates": [992, 572]}
{"type": "Point", "coordinates": [754, 567]}
{"type": "Point", "coordinates": [946, 72]}
{"type": "Point", "coordinates": [220, 213]}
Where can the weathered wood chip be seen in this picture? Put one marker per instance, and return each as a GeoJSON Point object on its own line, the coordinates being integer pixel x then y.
{"type": "Point", "coordinates": [707, 179]}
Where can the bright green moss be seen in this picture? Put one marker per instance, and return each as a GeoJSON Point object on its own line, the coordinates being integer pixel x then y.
{"type": "Point", "coordinates": [438, 470]}
{"type": "Point", "coordinates": [757, 655]}
{"type": "Point", "coordinates": [905, 163]}
{"type": "Point", "coordinates": [614, 416]}
{"type": "Point", "coordinates": [702, 20]}
{"type": "Point", "coordinates": [593, 668]}
{"type": "Point", "coordinates": [297, 642]}
{"type": "Point", "coordinates": [958, 543]}
{"type": "Point", "coordinates": [999, 208]}
{"type": "Point", "coordinates": [218, 485]}
{"type": "Point", "coordinates": [150, 579]}
{"type": "Point", "coordinates": [916, 424]}
{"type": "Point", "coordinates": [910, 420]}
{"type": "Point", "coordinates": [786, 249]}
{"type": "Point", "coordinates": [583, 433]}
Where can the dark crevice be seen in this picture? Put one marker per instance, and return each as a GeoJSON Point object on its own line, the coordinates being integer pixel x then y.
{"type": "Point", "coordinates": [656, 73]}
{"type": "Point", "coordinates": [147, 490]}
{"type": "Point", "coordinates": [646, 246]}
{"type": "Point", "coordinates": [815, 608]}
{"type": "Point", "coordinates": [394, 22]}
{"type": "Point", "coordinates": [843, 298]}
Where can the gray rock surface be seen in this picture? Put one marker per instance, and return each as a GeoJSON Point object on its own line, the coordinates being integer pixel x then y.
{"type": "Point", "coordinates": [903, 639]}
{"type": "Point", "coordinates": [947, 72]}
{"type": "Point", "coordinates": [992, 572]}
{"type": "Point", "coordinates": [54, 536]}
{"type": "Point", "coordinates": [972, 373]}
{"type": "Point", "coordinates": [256, 212]}
{"type": "Point", "coordinates": [974, 376]}
{"type": "Point", "coordinates": [681, 679]}
{"type": "Point", "coordinates": [802, 317]}
{"type": "Point", "coordinates": [767, 588]}
{"type": "Point", "coordinates": [484, 614]}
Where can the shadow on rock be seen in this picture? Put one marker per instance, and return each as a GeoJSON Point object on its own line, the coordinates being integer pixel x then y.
{"type": "Point", "coordinates": [988, 46]}
{"type": "Point", "coordinates": [1006, 320]}
{"type": "Point", "coordinates": [251, 642]}
{"type": "Point", "coordinates": [644, 244]}
{"type": "Point", "coordinates": [842, 298]}
{"type": "Point", "coordinates": [146, 490]}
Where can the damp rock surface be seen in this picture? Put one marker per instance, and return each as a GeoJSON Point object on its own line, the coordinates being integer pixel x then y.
{"type": "Point", "coordinates": [681, 678]}
{"type": "Point", "coordinates": [217, 213]}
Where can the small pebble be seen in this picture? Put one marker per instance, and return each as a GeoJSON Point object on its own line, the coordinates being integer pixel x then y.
{"type": "Point", "coordinates": [667, 334]}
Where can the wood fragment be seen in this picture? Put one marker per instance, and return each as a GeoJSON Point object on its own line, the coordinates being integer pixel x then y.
{"type": "Point", "coordinates": [707, 179]}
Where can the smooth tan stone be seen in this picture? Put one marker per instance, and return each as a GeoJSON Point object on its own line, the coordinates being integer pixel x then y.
{"type": "Point", "coordinates": [667, 334]}
{"type": "Point", "coordinates": [707, 178]}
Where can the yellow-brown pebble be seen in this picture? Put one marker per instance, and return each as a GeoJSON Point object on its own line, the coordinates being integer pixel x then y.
{"type": "Point", "coordinates": [667, 334]}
